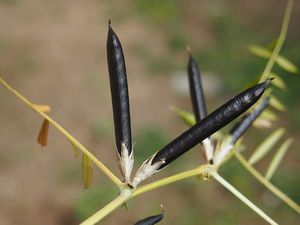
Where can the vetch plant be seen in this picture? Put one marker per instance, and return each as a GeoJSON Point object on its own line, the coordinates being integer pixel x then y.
{"type": "Point", "coordinates": [217, 150]}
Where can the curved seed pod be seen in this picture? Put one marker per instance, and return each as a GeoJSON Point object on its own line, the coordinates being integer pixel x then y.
{"type": "Point", "coordinates": [242, 126]}
{"type": "Point", "coordinates": [197, 133]}
{"type": "Point", "coordinates": [151, 220]}
{"type": "Point", "coordinates": [196, 90]}
{"type": "Point", "coordinates": [120, 102]}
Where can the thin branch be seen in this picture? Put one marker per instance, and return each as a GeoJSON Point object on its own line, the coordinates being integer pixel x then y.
{"type": "Point", "coordinates": [240, 196]}
{"type": "Point", "coordinates": [95, 218]}
{"type": "Point", "coordinates": [267, 183]}
{"type": "Point", "coordinates": [105, 170]}
{"type": "Point", "coordinates": [201, 170]}
{"type": "Point", "coordinates": [280, 41]}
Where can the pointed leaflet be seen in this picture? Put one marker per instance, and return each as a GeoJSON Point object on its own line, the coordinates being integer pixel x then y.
{"type": "Point", "coordinates": [120, 102]}
{"type": "Point", "coordinates": [278, 81]}
{"type": "Point", "coordinates": [43, 134]}
{"type": "Point", "coordinates": [151, 220]}
{"type": "Point", "coordinates": [281, 61]}
{"type": "Point", "coordinates": [87, 171]}
{"type": "Point", "coordinates": [266, 146]}
{"type": "Point", "coordinates": [185, 116]}
{"type": "Point", "coordinates": [197, 133]}
{"type": "Point", "coordinates": [278, 158]}
{"type": "Point", "coordinates": [275, 103]}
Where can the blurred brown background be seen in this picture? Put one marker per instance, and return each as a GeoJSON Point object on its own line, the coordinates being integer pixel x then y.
{"type": "Point", "coordinates": [54, 52]}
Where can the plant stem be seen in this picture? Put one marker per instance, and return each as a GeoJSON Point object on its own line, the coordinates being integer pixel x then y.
{"type": "Point", "coordinates": [280, 41]}
{"type": "Point", "coordinates": [117, 202]}
{"type": "Point", "coordinates": [240, 196]}
{"type": "Point", "coordinates": [204, 169]}
{"type": "Point", "coordinates": [105, 170]}
{"type": "Point", "coordinates": [267, 183]}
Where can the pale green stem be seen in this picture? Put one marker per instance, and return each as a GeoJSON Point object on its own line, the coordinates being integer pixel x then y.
{"type": "Point", "coordinates": [240, 196]}
{"type": "Point", "coordinates": [280, 41]}
{"type": "Point", "coordinates": [105, 170]}
{"type": "Point", "coordinates": [267, 183]}
{"type": "Point", "coordinates": [201, 170]}
{"type": "Point", "coordinates": [95, 218]}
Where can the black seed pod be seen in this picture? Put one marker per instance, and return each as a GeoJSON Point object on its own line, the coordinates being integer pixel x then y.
{"type": "Point", "coordinates": [242, 126]}
{"type": "Point", "coordinates": [212, 123]}
{"type": "Point", "coordinates": [196, 90]}
{"type": "Point", "coordinates": [151, 220]}
{"type": "Point", "coordinates": [119, 91]}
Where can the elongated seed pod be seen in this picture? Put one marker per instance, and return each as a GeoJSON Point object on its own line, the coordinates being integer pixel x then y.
{"type": "Point", "coordinates": [243, 125]}
{"type": "Point", "coordinates": [198, 102]}
{"type": "Point", "coordinates": [120, 99]}
{"type": "Point", "coordinates": [210, 124]}
{"type": "Point", "coordinates": [196, 90]}
{"type": "Point", "coordinates": [151, 220]}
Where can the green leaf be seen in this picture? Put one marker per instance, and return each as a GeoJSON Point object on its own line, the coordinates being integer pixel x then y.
{"type": "Point", "coordinates": [87, 171]}
{"type": "Point", "coordinates": [278, 81]}
{"type": "Point", "coordinates": [266, 146]}
{"type": "Point", "coordinates": [274, 102]}
{"type": "Point", "coordinates": [286, 64]}
{"type": "Point", "coordinates": [268, 115]}
{"type": "Point", "coordinates": [185, 116]}
{"type": "Point", "coordinates": [281, 61]}
{"type": "Point", "coordinates": [278, 158]}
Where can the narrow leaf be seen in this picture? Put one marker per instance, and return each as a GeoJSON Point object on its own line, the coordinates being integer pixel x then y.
{"type": "Point", "coordinates": [278, 81]}
{"type": "Point", "coordinates": [274, 102]}
{"type": "Point", "coordinates": [185, 116]}
{"type": "Point", "coordinates": [43, 134]}
{"type": "Point", "coordinates": [268, 115]}
{"type": "Point", "coordinates": [262, 123]}
{"type": "Point", "coordinates": [281, 61]}
{"type": "Point", "coordinates": [286, 64]}
{"type": "Point", "coordinates": [87, 171]}
{"type": "Point", "coordinates": [266, 146]}
{"type": "Point", "coordinates": [278, 158]}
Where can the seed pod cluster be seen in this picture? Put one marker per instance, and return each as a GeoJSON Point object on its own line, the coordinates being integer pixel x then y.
{"type": "Point", "coordinates": [151, 220]}
{"type": "Point", "coordinates": [197, 133]}
{"type": "Point", "coordinates": [243, 125]}
{"type": "Point", "coordinates": [120, 102]}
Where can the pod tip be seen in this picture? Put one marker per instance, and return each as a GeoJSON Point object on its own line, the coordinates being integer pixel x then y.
{"type": "Point", "coordinates": [109, 22]}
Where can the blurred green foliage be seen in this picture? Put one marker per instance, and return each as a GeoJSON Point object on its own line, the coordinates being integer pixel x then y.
{"type": "Point", "coordinates": [149, 139]}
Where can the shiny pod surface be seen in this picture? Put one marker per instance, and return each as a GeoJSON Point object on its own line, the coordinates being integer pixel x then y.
{"type": "Point", "coordinates": [212, 123]}
{"type": "Point", "coordinates": [196, 90]}
{"type": "Point", "coordinates": [119, 91]}
{"type": "Point", "coordinates": [151, 220]}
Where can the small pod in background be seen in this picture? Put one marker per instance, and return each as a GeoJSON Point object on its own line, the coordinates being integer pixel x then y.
{"type": "Point", "coordinates": [198, 102]}
{"type": "Point", "coordinates": [197, 133]}
{"type": "Point", "coordinates": [239, 129]}
{"type": "Point", "coordinates": [120, 103]}
{"type": "Point", "coordinates": [151, 220]}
